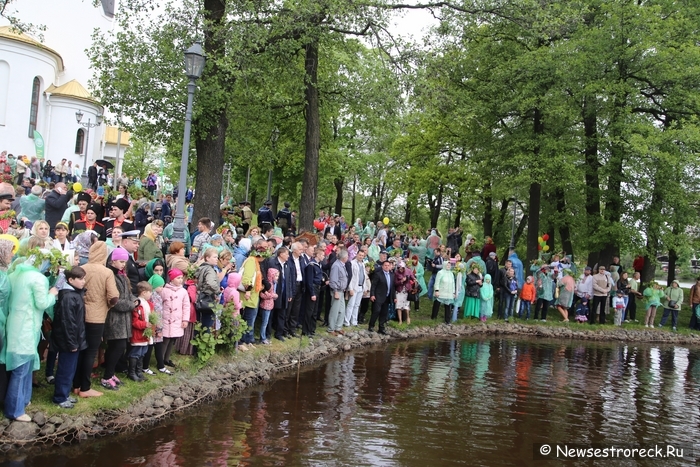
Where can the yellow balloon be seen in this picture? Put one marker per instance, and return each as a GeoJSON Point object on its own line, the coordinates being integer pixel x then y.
{"type": "Point", "coordinates": [386, 220]}
{"type": "Point", "coordinates": [13, 240]}
{"type": "Point", "coordinates": [540, 240]}
{"type": "Point", "coordinates": [77, 187]}
{"type": "Point", "coordinates": [545, 248]}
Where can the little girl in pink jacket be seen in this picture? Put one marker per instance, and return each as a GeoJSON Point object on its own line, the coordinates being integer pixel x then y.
{"type": "Point", "coordinates": [176, 312]}
{"type": "Point", "coordinates": [232, 294]}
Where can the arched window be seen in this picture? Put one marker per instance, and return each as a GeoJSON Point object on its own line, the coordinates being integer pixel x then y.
{"type": "Point", "coordinates": [34, 109]}
{"type": "Point", "coordinates": [79, 141]}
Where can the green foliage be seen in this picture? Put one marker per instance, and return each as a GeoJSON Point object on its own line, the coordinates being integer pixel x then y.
{"type": "Point", "coordinates": [205, 343]}
{"type": "Point", "coordinates": [233, 326]}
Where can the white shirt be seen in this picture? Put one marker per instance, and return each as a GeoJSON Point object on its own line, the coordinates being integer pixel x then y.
{"type": "Point", "coordinates": [298, 266]}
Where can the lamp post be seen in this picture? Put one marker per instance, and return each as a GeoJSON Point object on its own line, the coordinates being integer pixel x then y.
{"type": "Point", "coordinates": [88, 125]}
{"type": "Point", "coordinates": [194, 66]}
{"type": "Point", "coordinates": [273, 139]}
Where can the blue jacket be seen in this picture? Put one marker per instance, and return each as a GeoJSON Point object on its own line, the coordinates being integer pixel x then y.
{"type": "Point", "coordinates": [518, 268]}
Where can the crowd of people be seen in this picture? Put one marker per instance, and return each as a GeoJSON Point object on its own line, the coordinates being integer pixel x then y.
{"type": "Point", "coordinates": [94, 282]}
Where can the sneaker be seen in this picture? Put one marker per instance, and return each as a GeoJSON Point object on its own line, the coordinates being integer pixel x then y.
{"type": "Point", "coordinates": [165, 371]}
{"type": "Point", "coordinates": [148, 371]}
{"type": "Point", "coordinates": [66, 405]}
{"type": "Point", "coordinates": [116, 380]}
{"type": "Point", "coordinates": [674, 329]}
{"type": "Point", "coordinates": [170, 364]}
{"type": "Point", "coordinates": [660, 326]}
{"type": "Point", "coordinates": [266, 342]}
{"type": "Point", "coordinates": [50, 379]}
{"type": "Point", "coordinates": [72, 400]}
{"type": "Point", "coordinates": [109, 384]}
{"type": "Point", "coordinates": [646, 325]}
{"type": "Point", "coordinates": [23, 418]}
{"type": "Point", "coordinates": [544, 320]}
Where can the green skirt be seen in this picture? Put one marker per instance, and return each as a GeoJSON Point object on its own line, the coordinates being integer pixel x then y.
{"type": "Point", "coordinates": [472, 307]}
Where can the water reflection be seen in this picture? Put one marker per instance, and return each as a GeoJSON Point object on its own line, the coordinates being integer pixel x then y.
{"type": "Point", "coordinates": [458, 402]}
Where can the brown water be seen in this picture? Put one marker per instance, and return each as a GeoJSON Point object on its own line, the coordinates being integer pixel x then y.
{"type": "Point", "coordinates": [433, 403]}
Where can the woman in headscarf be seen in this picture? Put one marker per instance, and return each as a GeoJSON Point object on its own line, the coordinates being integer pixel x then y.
{"type": "Point", "coordinates": [241, 252]}
{"type": "Point", "coordinates": [82, 244]}
{"type": "Point", "coordinates": [23, 330]}
{"type": "Point", "coordinates": [373, 250]}
{"type": "Point", "coordinates": [566, 286]}
{"type": "Point", "coordinates": [486, 296]}
{"type": "Point", "coordinates": [155, 266]}
{"type": "Point", "coordinates": [150, 244]}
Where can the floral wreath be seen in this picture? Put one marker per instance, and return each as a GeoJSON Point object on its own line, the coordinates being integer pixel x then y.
{"type": "Point", "coordinates": [8, 215]}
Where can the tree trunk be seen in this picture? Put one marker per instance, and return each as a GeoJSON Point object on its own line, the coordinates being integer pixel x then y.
{"type": "Point", "coordinates": [211, 142]}
{"type": "Point", "coordinates": [354, 195]}
{"type": "Point", "coordinates": [371, 201]}
{"type": "Point", "coordinates": [487, 221]}
{"type": "Point", "coordinates": [379, 201]}
{"type": "Point", "coordinates": [435, 212]}
{"type": "Point", "coordinates": [564, 228]}
{"type": "Point", "coordinates": [590, 152]}
{"type": "Point", "coordinates": [458, 213]}
{"type": "Point", "coordinates": [535, 195]}
{"type": "Point", "coordinates": [409, 205]}
{"type": "Point", "coordinates": [339, 184]}
{"type": "Point", "coordinates": [309, 187]}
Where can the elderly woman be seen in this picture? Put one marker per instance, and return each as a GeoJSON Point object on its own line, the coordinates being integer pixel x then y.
{"type": "Point", "coordinates": [176, 258]}
{"type": "Point", "coordinates": [23, 330]}
{"type": "Point", "coordinates": [150, 244]}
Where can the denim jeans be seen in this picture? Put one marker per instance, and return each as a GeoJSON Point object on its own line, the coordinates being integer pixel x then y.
{"type": "Point", "coordinates": [525, 306]}
{"type": "Point", "coordinates": [431, 285]}
{"type": "Point", "coordinates": [249, 314]}
{"type": "Point", "coordinates": [674, 317]}
{"type": "Point", "coordinates": [263, 327]}
{"type": "Point", "coordinates": [138, 351]}
{"type": "Point", "coordinates": [19, 390]}
{"type": "Point", "coordinates": [67, 364]}
{"type": "Point", "coordinates": [507, 299]}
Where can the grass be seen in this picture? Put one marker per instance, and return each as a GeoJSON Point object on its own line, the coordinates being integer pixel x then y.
{"type": "Point", "coordinates": [187, 367]}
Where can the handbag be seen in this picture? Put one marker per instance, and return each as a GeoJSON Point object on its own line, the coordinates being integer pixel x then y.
{"type": "Point", "coordinates": [205, 302]}
{"type": "Point", "coordinates": [672, 303]}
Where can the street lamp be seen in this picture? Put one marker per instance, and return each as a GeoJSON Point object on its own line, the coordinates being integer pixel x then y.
{"type": "Point", "coordinates": [194, 65]}
{"type": "Point", "coordinates": [273, 139]}
{"type": "Point", "coordinates": [88, 125]}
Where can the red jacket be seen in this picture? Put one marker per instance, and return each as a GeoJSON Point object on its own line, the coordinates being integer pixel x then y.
{"type": "Point", "coordinates": [139, 323]}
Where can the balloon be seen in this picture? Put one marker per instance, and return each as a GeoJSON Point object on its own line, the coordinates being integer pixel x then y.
{"type": "Point", "coordinates": [540, 239]}
{"type": "Point", "coordinates": [386, 221]}
{"type": "Point", "coordinates": [77, 187]}
{"type": "Point", "coordinates": [545, 237]}
{"type": "Point", "coordinates": [539, 247]}
{"type": "Point", "coordinates": [545, 248]}
{"type": "Point", "coordinates": [13, 239]}
{"type": "Point", "coordinates": [319, 225]}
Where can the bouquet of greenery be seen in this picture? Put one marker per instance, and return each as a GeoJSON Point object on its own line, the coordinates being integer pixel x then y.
{"type": "Point", "coordinates": [53, 257]}
{"type": "Point", "coordinates": [460, 267]}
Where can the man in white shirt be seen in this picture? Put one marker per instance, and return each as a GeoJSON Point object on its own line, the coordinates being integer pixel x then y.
{"type": "Point", "coordinates": [295, 265]}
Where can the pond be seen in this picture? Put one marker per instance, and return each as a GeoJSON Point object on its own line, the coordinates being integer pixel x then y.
{"type": "Point", "coordinates": [431, 403]}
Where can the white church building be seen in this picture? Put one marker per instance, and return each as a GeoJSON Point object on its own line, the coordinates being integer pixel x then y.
{"type": "Point", "coordinates": [43, 83]}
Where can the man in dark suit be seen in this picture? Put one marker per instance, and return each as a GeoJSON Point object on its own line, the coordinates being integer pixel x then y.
{"type": "Point", "coordinates": [284, 291]}
{"type": "Point", "coordinates": [296, 264]}
{"type": "Point", "coordinates": [92, 177]}
{"type": "Point", "coordinates": [381, 294]}
{"type": "Point", "coordinates": [130, 242]}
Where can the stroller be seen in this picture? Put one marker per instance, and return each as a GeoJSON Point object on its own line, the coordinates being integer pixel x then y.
{"type": "Point", "coordinates": [582, 311]}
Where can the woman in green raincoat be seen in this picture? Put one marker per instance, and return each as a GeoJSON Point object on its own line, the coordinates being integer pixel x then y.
{"type": "Point", "coordinates": [418, 271]}
{"type": "Point", "coordinates": [22, 332]}
{"type": "Point", "coordinates": [6, 249]}
{"type": "Point", "coordinates": [486, 295]}
{"type": "Point", "coordinates": [460, 272]}
{"type": "Point", "coordinates": [653, 296]}
{"type": "Point", "coordinates": [368, 231]}
{"type": "Point", "coordinates": [373, 251]}
{"type": "Point", "coordinates": [444, 292]}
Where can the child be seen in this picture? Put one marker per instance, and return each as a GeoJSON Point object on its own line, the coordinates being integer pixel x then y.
{"type": "Point", "coordinates": [267, 303]}
{"type": "Point", "coordinates": [140, 337]}
{"type": "Point", "coordinates": [619, 305]}
{"type": "Point", "coordinates": [527, 297]}
{"type": "Point", "coordinates": [176, 313]}
{"type": "Point", "coordinates": [231, 293]}
{"type": "Point", "coordinates": [68, 335]}
{"type": "Point", "coordinates": [157, 284]}
{"type": "Point", "coordinates": [582, 311]}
